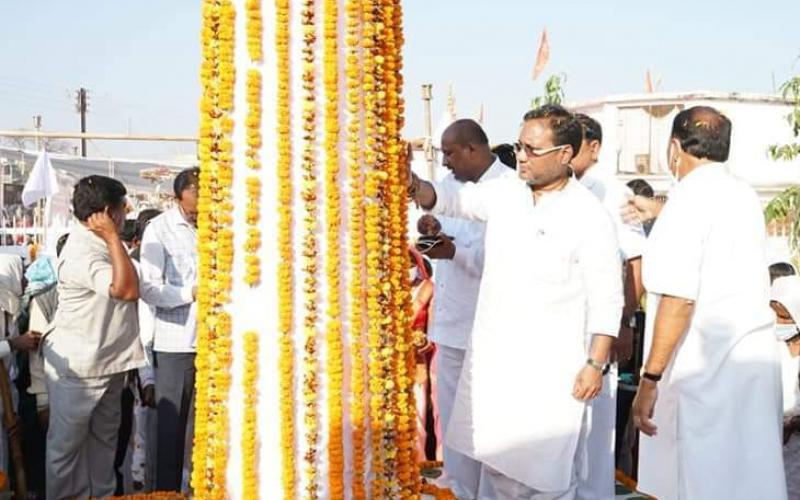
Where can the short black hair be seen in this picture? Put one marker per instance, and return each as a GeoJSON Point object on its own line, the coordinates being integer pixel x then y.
{"type": "Point", "coordinates": [566, 129]}
{"type": "Point", "coordinates": [703, 132]}
{"type": "Point", "coordinates": [144, 218]}
{"type": "Point", "coordinates": [62, 240]}
{"type": "Point", "coordinates": [186, 179]}
{"type": "Point", "coordinates": [95, 194]}
{"type": "Point", "coordinates": [779, 270]}
{"type": "Point", "coordinates": [505, 152]}
{"type": "Point", "coordinates": [592, 131]}
{"type": "Point", "coordinates": [641, 187]}
{"type": "Point", "coordinates": [128, 233]}
{"type": "Point", "coordinates": [466, 131]}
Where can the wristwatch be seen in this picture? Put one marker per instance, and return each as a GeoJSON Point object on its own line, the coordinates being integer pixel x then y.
{"type": "Point", "coordinates": [594, 364]}
{"type": "Point", "coordinates": [652, 377]}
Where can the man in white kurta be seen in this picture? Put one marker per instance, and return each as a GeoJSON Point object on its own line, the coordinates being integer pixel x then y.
{"type": "Point", "coordinates": [551, 271]}
{"type": "Point", "coordinates": [459, 266]}
{"type": "Point", "coordinates": [612, 193]}
{"type": "Point", "coordinates": [713, 424]}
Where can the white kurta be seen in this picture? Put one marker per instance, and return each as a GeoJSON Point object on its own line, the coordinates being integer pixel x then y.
{"type": "Point", "coordinates": [551, 271]}
{"type": "Point", "coordinates": [719, 405]}
{"type": "Point", "coordinates": [599, 483]}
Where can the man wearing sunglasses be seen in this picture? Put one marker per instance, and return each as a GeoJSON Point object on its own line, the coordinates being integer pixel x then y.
{"type": "Point", "coordinates": [551, 274]}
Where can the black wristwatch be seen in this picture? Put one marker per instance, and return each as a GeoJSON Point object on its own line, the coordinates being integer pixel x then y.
{"type": "Point", "coordinates": [652, 377]}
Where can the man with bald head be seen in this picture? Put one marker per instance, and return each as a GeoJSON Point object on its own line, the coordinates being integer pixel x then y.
{"type": "Point", "coordinates": [709, 402]}
{"type": "Point", "coordinates": [459, 266]}
{"type": "Point", "coordinates": [549, 307]}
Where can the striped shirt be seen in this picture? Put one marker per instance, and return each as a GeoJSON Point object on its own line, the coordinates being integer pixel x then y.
{"type": "Point", "coordinates": [169, 273]}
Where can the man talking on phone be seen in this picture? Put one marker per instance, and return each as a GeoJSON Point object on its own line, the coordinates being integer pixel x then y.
{"type": "Point", "coordinates": [457, 247]}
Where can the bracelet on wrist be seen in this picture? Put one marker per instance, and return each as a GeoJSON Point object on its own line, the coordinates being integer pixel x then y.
{"type": "Point", "coordinates": [594, 364]}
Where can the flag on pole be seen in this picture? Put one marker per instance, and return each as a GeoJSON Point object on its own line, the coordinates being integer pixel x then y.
{"type": "Point", "coordinates": [41, 182]}
{"type": "Point", "coordinates": [648, 82]}
{"type": "Point", "coordinates": [480, 114]}
{"type": "Point", "coordinates": [542, 55]}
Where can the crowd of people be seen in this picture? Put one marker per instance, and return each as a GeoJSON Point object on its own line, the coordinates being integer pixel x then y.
{"type": "Point", "coordinates": [548, 278]}
{"type": "Point", "coordinates": [532, 274]}
{"type": "Point", "coordinates": [99, 349]}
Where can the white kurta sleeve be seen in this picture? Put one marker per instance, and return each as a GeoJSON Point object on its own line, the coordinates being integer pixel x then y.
{"type": "Point", "coordinates": [631, 236]}
{"type": "Point", "coordinates": [598, 258]}
{"type": "Point", "coordinates": [614, 195]}
{"type": "Point", "coordinates": [466, 200]}
{"type": "Point", "coordinates": [469, 258]}
{"type": "Point", "coordinates": [675, 252]}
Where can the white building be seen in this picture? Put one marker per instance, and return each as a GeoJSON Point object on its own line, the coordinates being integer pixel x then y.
{"type": "Point", "coordinates": [636, 130]}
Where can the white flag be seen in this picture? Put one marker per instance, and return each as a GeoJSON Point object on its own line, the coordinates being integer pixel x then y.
{"type": "Point", "coordinates": [41, 182]}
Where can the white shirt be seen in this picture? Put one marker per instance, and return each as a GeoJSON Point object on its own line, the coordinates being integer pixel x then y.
{"type": "Point", "coordinates": [169, 272]}
{"type": "Point", "coordinates": [551, 272]}
{"type": "Point", "coordinates": [458, 280]}
{"type": "Point", "coordinates": [613, 194]}
{"type": "Point", "coordinates": [708, 245]}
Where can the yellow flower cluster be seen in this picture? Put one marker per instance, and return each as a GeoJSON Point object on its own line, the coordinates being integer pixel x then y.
{"type": "Point", "coordinates": [250, 425]}
{"type": "Point", "coordinates": [379, 290]}
{"type": "Point", "coordinates": [395, 196]}
{"type": "Point", "coordinates": [310, 260]}
{"type": "Point", "coordinates": [254, 28]}
{"type": "Point", "coordinates": [355, 227]}
{"type": "Point", "coordinates": [285, 252]}
{"type": "Point", "coordinates": [215, 237]}
{"type": "Point", "coordinates": [437, 492]}
{"type": "Point", "coordinates": [333, 221]}
{"type": "Point", "coordinates": [156, 495]}
{"type": "Point", "coordinates": [253, 24]}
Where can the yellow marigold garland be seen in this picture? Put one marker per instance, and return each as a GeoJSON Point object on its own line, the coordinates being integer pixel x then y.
{"type": "Point", "coordinates": [310, 258]}
{"type": "Point", "coordinates": [374, 231]}
{"type": "Point", "coordinates": [408, 477]}
{"type": "Point", "coordinates": [253, 210]}
{"type": "Point", "coordinates": [216, 250]}
{"type": "Point", "coordinates": [250, 417]}
{"type": "Point", "coordinates": [356, 234]}
{"type": "Point", "coordinates": [286, 254]}
{"type": "Point", "coordinates": [254, 28]}
{"type": "Point", "coordinates": [437, 492]}
{"type": "Point", "coordinates": [333, 222]}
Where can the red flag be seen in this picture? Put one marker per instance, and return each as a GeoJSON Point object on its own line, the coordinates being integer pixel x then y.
{"type": "Point", "coordinates": [648, 82]}
{"type": "Point", "coordinates": [542, 55]}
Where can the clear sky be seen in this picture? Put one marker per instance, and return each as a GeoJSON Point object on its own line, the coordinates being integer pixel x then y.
{"type": "Point", "coordinates": [139, 59]}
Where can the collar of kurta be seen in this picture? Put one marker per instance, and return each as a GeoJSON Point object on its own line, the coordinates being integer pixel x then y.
{"type": "Point", "coordinates": [702, 171]}
{"type": "Point", "coordinates": [549, 197]}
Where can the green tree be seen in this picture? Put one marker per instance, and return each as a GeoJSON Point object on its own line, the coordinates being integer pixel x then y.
{"type": "Point", "coordinates": [553, 91]}
{"type": "Point", "coordinates": [786, 206]}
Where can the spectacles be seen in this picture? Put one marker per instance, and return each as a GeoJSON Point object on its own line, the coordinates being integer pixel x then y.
{"type": "Point", "coordinates": [531, 151]}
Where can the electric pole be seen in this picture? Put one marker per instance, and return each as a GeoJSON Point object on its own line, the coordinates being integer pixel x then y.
{"type": "Point", "coordinates": [37, 125]}
{"type": "Point", "coordinates": [81, 107]}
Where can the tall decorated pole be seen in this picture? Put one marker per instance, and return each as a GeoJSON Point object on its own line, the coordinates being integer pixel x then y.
{"type": "Point", "coordinates": [304, 355]}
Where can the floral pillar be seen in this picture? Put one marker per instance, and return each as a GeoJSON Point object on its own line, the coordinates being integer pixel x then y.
{"type": "Point", "coordinates": [304, 358]}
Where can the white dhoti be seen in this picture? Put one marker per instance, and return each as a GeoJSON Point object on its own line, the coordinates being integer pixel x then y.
{"type": "Point", "coordinates": [720, 436]}
{"type": "Point", "coordinates": [461, 472]}
{"type": "Point", "coordinates": [496, 486]}
{"type": "Point", "coordinates": [599, 481]}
